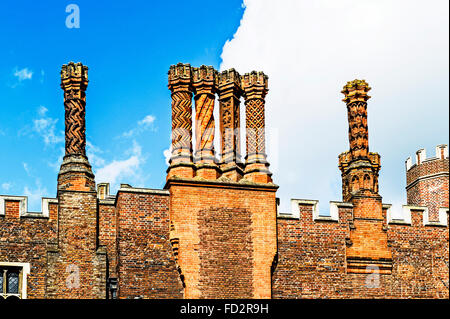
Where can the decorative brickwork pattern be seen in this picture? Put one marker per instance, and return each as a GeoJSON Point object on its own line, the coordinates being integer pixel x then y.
{"type": "Point", "coordinates": [74, 81]}
{"type": "Point", "coordinates": [180, 84]}
{"type": "Point", "coordinates": [230, 91]}
{"type": "Point", "coordinates": [356, 99]}
{"type": "Point", "coordinates": [255, 89]}
{"type": "Point", "coordinates": [204, 83]}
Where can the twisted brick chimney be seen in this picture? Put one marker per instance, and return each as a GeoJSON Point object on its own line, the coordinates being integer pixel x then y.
{"type": "Point", "coordinates": [367, 250]}
{"type": "Point", "coordinates": [76, 263]}
{"type": "Point", "coordinates": [75, 172]}
{"type": "Point", "coordinates": [205, 85]}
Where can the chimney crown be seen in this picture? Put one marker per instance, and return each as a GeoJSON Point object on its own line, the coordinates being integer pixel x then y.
{"type": "Point", "coordinates": [254, 85]}
{"type": "Point", "coordinates": [356, 91]}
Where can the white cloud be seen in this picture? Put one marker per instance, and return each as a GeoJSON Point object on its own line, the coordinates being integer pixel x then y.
{"type": "Point", "coordinates": [128, 170]}
{"type": "Point", "coordinates": [26, 168]}
{"type": "Point", "coordinates": [167, 154]}
{"type": "Point", "coordinates": [142, 125]}
{"type": "Point", "coordinates": [23, 74]}
{"type": "Point", "coordinates": [35, 195]}
{"type": "Point", "coordinates": [6, 186]}
{"type": "Point", "coordinates": [310, 49]}
{"type": "Point", "coordinates": [149, 119]}
{"type": "Point", "coordinates": [92, 153]}
{"type": "Point", "coordinates": [45, 126]}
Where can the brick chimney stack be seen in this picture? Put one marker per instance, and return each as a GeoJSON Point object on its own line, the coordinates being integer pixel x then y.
{"type": "Point", "coordinates": [359, 167]}
{"type": "Point", "coordinates": [367, 249]}
{"type": "Point", "coordinates": [205, 86]}
{"type": "Point", "coordinates": [230, 91]}
{"type": "Point", "coordinates": [180, 84]}
{"type": "Point", "coordinates": [218, 219]}
{"type": "Point", "coordinates": [76, 251]}
{"type": "Point", "coordinates": [75, 172]}
{"type": "Point", "coordinates": [254, 87]}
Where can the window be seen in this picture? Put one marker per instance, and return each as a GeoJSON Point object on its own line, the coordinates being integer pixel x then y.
{"type": "Point", "coordinates": [13, 280]}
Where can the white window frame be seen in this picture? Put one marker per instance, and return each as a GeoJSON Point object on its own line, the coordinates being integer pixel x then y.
{"type": "Point", "coordinates": [25, 271]}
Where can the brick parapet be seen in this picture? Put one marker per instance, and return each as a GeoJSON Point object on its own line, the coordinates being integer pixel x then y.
{"type": "Point", "coordinates": [312, 258]}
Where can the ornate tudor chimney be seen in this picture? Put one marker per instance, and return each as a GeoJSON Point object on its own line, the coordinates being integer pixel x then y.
{"type": "Point", "coordinates": [229, 94]}
{"type": "Point", "coordinates": [180, 84]}
{"type": "Point", "coordinates": [76, 263]}
{"type": "Point", "coordinates": [359, 167]}
{"type": "Point", "coordinates": [254, 85]}
{"type": "Point", "coordinates": [367, 250]}
{"type": "Point", "coordinates": [205, 85]}
{"type": "Point", "coordinates": [75, 172]}
{"type": "Point", "coordinates": [223, 228]}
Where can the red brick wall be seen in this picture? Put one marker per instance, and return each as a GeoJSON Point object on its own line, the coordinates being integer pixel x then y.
{"type": "Point", "coordinates": [77, 265]}
{"type": "Point", "coordinates": [146, 267]}
{"type": "Point", "coordinates": [225, 236]}
{"type": "Point", "coordinates": [432, 191]}
{"type": "Point", "coordinates": [108, 233]}
{"type": "Point", "coordinates": [25, 240]}
{"type": "Point", "coordinates": [311, 260]}
{"type": "Point", "coordinates": [201, 210]}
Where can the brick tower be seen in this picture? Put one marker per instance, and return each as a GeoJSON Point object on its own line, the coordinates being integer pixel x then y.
{"type": "Point", "coordinates": [222, 213]}
{"type": "Point", "coordinates": [427, 181]}
{"type": "Point", "coordinates": [367, 250]}
{"type": "Point", "coordinates": [77, 266]}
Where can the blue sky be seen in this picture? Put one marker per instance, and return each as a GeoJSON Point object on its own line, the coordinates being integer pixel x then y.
{"type": "Point", "coordinates": [128, 47]}
{"type": "Point", "coordinates": [309, 49]}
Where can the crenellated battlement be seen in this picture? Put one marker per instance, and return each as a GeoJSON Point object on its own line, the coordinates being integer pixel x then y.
{"type": "Point", "coordinates": [17, 207]}
{"type": "Point", "coordinates": [421, 156]}
{"type": "Point", "coordinates": [337, 209]}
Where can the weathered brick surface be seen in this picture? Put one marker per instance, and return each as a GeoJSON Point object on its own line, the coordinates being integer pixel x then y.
{"type": "Point", "coordinates": [25, 240]}
{"type": "Point", "coordinates": [146, 266]}
{"type": "Point", "coordinates": [77, 265]}
{"type": "Point", "coordinates": [226, 247]}
{"type": "Point", "coordinates": [107, 221]}
{"type": "Point", "coordinates": [311, 260]}
{"type": "Point", "coordinates": [427, 185]}
{"type": "Point", "coordinates": [200, 210]}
